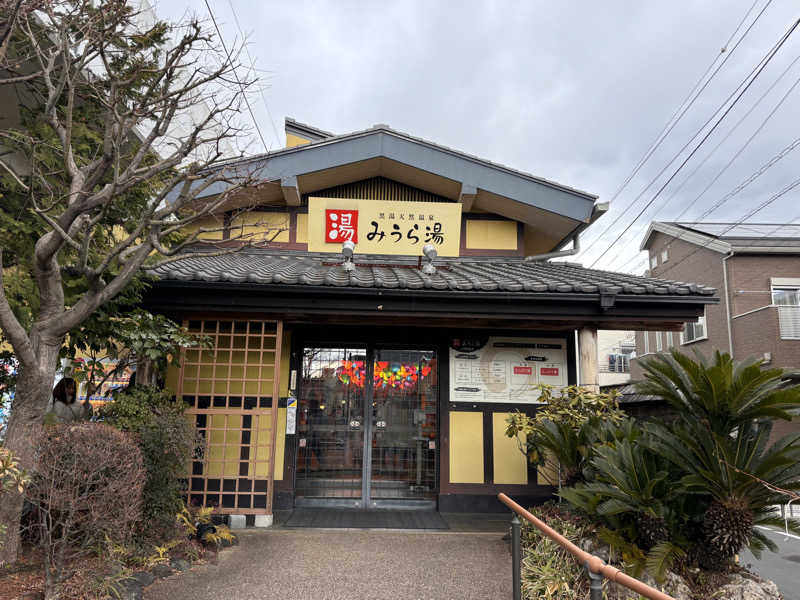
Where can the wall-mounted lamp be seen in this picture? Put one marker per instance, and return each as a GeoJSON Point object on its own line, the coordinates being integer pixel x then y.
{"type": "Point", "coordinates": [429, 250]}
{"type": "Point", "coordinates": [347, 251]}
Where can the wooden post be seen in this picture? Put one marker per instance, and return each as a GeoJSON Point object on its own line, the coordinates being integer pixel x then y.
{"type": "Point", "coordinates": [589, 371]}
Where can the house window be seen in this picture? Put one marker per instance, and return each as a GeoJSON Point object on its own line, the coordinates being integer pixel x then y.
{"type": "Point", "coordinates": [664, 256]}
{"type": "Point", "coordinates": [646, 335]}
{"type": "Point", "coordinates": [618, 363]}
{"type": "Point", "coordinates": [786, 296]}
{"type": "Point", "coordinates": [654, 261]}
{"type": "Point", "coordinates": [694, 331]}
{"type": "Point", "coordinates": [670, 343]}
{"type": "Point", "coordinates": [658, 341]}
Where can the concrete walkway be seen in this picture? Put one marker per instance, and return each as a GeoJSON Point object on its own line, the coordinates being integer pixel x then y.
{"type": "Point", "coordinates": [345, 564]}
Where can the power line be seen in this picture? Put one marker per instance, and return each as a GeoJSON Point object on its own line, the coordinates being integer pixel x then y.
{"type": "Point", "coordinates": [672, 122]}
{"type": "Point", "coordinates": [758, 173]}
{"type": "Point", "coordinates": [236, 75]}
{"type": "Point", "coordinates": [764, 62]}
{"type": "Point", "coordinates": [763, 169]}
{"type": "Point", "coordinates": [253, 66]}
{"type": "Point", "coordinates": [759, 208]}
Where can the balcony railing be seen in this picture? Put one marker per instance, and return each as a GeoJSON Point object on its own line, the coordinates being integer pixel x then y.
{"type": "Point", "coordinates": [789, 322]}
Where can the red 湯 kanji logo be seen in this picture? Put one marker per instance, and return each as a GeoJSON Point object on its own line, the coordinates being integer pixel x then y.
{"type": "Point", "coordinates": [341, 226]}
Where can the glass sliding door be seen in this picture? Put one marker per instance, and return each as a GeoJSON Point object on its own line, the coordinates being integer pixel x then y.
{"type": "Point", "coordinates": [403, 449]}
{"type": "Point", "coordinates": [330, 424]}
{"type": "Point", "coordinates": [367, 427]}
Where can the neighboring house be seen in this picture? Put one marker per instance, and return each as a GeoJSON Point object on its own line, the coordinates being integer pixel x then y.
{"type": "Point", "coordinates": [381, 374]}
{"type": "Point", "coordinates": [756, 270]}
{"type": "Point", "coordinates": [615, 349]}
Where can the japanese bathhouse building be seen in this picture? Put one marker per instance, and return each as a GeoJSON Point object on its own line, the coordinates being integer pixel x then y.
{"type": "Point", "coordinates": [383, 378]}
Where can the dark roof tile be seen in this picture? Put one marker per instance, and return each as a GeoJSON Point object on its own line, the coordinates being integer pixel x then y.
{"type": "Point", "coordinates": [465, 274]}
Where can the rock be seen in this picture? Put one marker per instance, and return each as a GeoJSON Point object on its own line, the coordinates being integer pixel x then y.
{"type": "Point", "coordinates": [743, 587]}
{"type": "Point", "coordinates": [160, 571]}
{"type": "Point", "coordinates": [129, 589]}
{"type": "Point", "coordinates": [144, 577]}
{"type": "Point", "coordinates": [180, 564]}
{"type": "Point", "coordinates": [674, 585]}
{"type": "Point", "coordinates": [593, 547]}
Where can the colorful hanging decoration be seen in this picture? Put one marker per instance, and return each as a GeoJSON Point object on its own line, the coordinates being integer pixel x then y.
{"type": "Point", "coordinates": [352, 372]}
{"type": "Point", "coordinates": [385, 374]}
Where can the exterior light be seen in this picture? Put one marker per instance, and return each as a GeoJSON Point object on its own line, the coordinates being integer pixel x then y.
{"type": "Point", "coordinates": [347, 251]}
{"type": "Point", "coordinates": [429, 250]}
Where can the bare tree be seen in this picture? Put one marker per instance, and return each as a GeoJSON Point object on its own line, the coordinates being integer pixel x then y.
{"type": "Point", "coordinates": [110, 183]}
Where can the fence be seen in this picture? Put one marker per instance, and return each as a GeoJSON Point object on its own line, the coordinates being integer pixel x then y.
{"type": "Point", "coordinates": [596, 569]}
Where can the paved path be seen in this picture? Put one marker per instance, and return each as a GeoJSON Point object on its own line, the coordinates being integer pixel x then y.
{"type": "Point", "coordinates": [333, 565]}
{"type": "Point", "coordinates": [781, 567]}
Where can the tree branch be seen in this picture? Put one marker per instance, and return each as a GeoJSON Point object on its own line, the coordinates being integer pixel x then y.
{"type": "Point", "coordinates": [11, 326]}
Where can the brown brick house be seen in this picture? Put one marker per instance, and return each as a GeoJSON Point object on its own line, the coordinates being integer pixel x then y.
{"type": "Point", "coordinates": [755, 268]}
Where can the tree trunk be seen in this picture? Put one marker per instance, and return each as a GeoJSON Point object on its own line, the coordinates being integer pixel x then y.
{"type": "Point", "coordinates": [33, 393]}
{"type": "Point", "coordinates": [146, 372]}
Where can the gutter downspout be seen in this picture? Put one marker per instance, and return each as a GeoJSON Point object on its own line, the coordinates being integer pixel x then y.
{"type": "Point", "coordinates": [576, 247]}
{"type": "Point", "coordinates": [727, 300]}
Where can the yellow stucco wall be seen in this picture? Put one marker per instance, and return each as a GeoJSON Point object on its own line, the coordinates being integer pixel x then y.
{"type": "Point", "coordinates": [261, 226]}
{"type": "Point", "coordinates": [302, 228]}
{"type": "Point", "coordinates": [491, 235]}
{"type": "Point", "coordinates": [215, 222]}
{"type": "Point", "coordinates": [510, 465]}
{"type": "Point", "coordinates": [293, 140]}
{"type": "Point", "coordinates": [280, 443]}
{"type": "Point", "coordinates": [466, 447]}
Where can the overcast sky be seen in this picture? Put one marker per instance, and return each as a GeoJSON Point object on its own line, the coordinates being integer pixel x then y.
{"type": "Point", "coordinates": [572, 91]}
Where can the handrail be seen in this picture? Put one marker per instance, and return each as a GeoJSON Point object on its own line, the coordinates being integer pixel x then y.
{"type": "Point", "coordinates": [593, 563]}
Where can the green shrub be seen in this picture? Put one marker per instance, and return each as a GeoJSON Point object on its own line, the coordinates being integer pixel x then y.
{"type": "Point", "coordinates": [548, 571]}
{"type": "Point", "coordinates": [167, 441]}
{"type": "Point", "coordinates": [693, 491]}
{"type": "Point", "coordinates": [564, 428]}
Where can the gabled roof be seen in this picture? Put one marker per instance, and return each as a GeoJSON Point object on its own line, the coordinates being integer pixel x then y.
{"type": "Point", "coordinates": [754, 238]}
{"type": "Point", "coordinates": [304, 130]}
{"type": "Point", "coordinates": [559, 210]}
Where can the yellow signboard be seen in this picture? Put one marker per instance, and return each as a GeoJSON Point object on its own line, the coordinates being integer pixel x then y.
{"type": "Point", "coordinates": [383, 227]}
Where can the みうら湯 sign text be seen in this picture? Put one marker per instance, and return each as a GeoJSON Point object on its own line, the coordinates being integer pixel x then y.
{"type": "Point", "coordinates": [383, 227]}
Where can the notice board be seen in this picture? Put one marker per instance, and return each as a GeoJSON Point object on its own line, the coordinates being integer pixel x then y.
{"type": "Point", "coordinates": [505, 369]}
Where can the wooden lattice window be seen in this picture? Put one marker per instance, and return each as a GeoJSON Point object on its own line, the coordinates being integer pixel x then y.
{"type": "Point", "coordinates": [231, 393]}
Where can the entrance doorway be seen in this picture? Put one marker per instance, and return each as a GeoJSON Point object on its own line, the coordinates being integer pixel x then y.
{"type": "Point", "coordinates": [366, 427]}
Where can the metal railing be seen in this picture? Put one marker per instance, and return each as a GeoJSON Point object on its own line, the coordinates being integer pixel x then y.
{"type": "Point", "coordinates": [596, 568]}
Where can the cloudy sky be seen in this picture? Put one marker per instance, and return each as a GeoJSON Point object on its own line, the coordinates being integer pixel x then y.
{"type": "Point", "coordinates": [571, 91]}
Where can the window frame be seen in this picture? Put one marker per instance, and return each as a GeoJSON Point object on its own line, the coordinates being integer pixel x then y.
{"type": "Point", "coordinates": [700, 338]}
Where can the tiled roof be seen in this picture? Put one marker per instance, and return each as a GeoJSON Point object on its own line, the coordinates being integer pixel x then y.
{"type": "Point", "coordinates": [629, 393]}
{"type": "Point", "coordinates": [473, 274]}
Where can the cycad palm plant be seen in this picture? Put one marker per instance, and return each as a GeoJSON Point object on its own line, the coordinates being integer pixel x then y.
{"type": "Point", "coordinates": [720, 442]}
{"type": "Point", "coordinates": [720, 395]}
